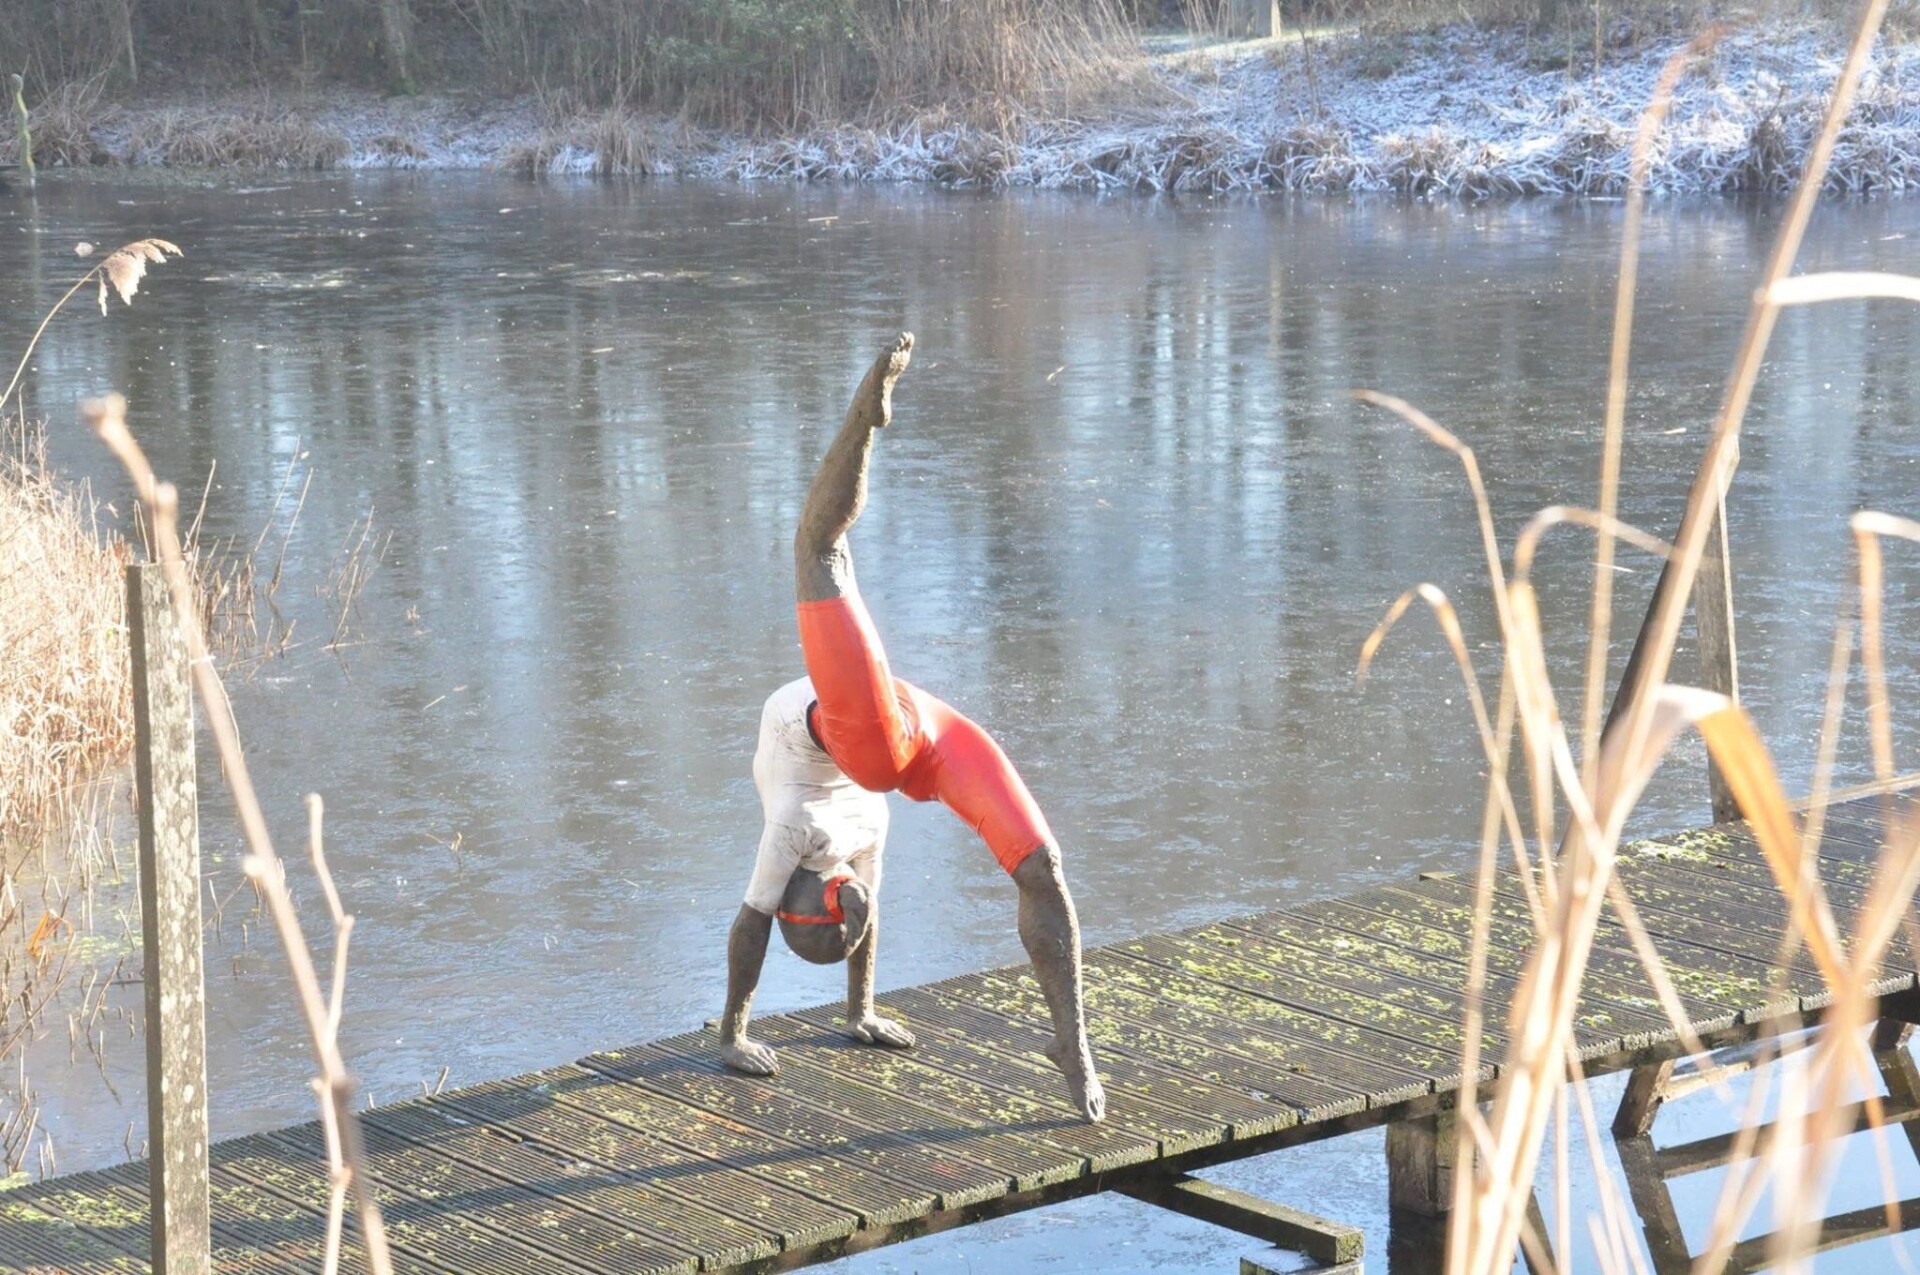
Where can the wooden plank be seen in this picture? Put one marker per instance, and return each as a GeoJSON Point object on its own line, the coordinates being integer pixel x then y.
{"type": "Point", "coordinates": [170, 935]}
{"type": "Point", "coordinates": [1724, 948]}
{"type": "Point", "coordinates": [600, 1218]}
{"type": "Point", "coordinates": [945, 1048]}
{"type": "Point", "coordinates": [1403, 1011]}
{"type": "Point", "coordinates": [291, 1163]}
{"type": "Point", "coordinates": [87, 1202]}
{"type": "Point", "coordinates": [1318, 1238]}
{"type": "Point", "coordinates": [1751, 882]}
{"type": "Point", "coordinates": [1271, 1069]}
{"type": "Point", "coordinates": [685, 1069]}
{"type": "Point", "coordinates": [1027, 1163]}
{"type": "Point", "coordinates": [815, 1169]}
{"type": "Point", "coordinates": [1188, 1108]}
{"type": "Point", "coordinates": [33, 1239]}
{"type": "Point", "coordinates": [1399, 977]}
{"type": "Point", "coordinates": [253, 1233]}
{"type": "Point", "coordinates": [1704, 972]}
{"type": "Point", "coordinates": [1362, 1055]}
{"type": "Point", "coordinates": [1698, 922]}
{"type": "Point", "coordinates": [1845, 844]}
{"type": "Point", "coordinates": [1281, 1043]}
{"type": "Point", "coordinates": [1617, 976]}
{"type": "Point", "coordinates": [1737, 857]}
{"type": "Point", "coordinates": [1686, 894]}
{"type": "Point", "coordinates": [527, 1108]}
{"type": "Point", "coordinates": [1632, 1014]}
{"type": "Point", "coordinates": [261, 1252]}
{"type": "Point", "coordinates": [1838, 1231]}
{"type": "Point", "coordinates": [1038, 1114]}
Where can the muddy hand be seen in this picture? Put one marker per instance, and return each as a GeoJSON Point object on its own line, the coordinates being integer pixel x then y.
{"type": "Point", "coordinates": [750, 1057]}
{"type": "Point", "coordinates": [884, 1032]}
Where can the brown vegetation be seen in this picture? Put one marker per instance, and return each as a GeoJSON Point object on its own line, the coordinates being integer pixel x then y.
{"type": "Point", "coordinates": [64, 707]}
{"type": "Point", "coordinates": [1582, 782]}
{"type": "Point", "coordinates": [737, 63]}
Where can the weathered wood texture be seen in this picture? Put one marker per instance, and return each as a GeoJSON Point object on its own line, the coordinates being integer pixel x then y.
{"type": "Point", "coordinates": [1216, 1043]}
{"type": "Point", "coordinates": [170, 929]}
{"type": "Point", "coordinates": [1332, 1243]}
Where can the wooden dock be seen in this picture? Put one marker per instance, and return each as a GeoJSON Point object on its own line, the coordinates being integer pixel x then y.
{"type": "Point", "coordinates": [1216, 1043]}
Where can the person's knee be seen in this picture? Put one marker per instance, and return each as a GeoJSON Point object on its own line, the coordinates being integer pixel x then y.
{"type": "Point", "coordinates": [1041, 871]}
{"type": "Point", "coordinates": [822, 573]}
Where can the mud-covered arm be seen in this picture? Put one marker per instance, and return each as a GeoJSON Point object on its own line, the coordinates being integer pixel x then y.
{"type": "Point", "coordinates": [746, 953]}
{"type": "Point", "coordinates": [864, 1024]}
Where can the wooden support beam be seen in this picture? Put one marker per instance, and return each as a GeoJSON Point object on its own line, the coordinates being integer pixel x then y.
{"type": "Point", "coordinates": [1645, 1094]}
{"type": "Point", "coordinates": [1328, 1242]}
{"type": "Point", "coordinates": [1262, 1264]}
{"type": "Point", "coordinates": [1659, 1220]}
{"type": "Point", "coordinates": [1713, 621]}
{"type": "Point", "coordinates": [1719, 662]}
{"type": "Point", "coordinates": [1420, 1162]}
{"type": "Point", "coordinates": [170, 929]}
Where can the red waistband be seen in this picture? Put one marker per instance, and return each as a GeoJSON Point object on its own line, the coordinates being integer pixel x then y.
{"type": "Point", "coordinates": [834, 916]}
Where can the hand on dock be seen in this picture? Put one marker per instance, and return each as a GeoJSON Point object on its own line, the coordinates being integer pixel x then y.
{"type": "Point", "coordinates": [750, 1057]}
{"type": "Point", "coordinates": [884, 1032]}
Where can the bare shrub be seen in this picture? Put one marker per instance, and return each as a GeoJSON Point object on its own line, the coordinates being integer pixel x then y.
{"type": "Point", "coordinates": [64, 699]}
{"type": "Point", "coordinates": [265, 138]}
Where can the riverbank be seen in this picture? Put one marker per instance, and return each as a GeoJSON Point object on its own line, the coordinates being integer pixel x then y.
{"type": "Point", "coordinates": [1457, 112]}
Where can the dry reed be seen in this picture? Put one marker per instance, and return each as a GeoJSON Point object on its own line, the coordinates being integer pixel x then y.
{"type": "Point", "coordinates": [66, 719]}
{"type": "Point", "coordinates": [262, 138]}
{"type": "Point", "coordinates": [1569, 873]}
{"type": "Point", "coordinates": [334, 1087]}
{"type": "Point", "coordinates": [64, 706]}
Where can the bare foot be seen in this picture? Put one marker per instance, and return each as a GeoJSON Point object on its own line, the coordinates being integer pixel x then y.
{"type": "Point", "coordinates": [884, 1032]}
{"type": "Point", "coordinates": [1083, 1085]}
{"type": "Point", "coordinates": [750, 1057]}
{"type": "Point", "coordinates": [873, 401]}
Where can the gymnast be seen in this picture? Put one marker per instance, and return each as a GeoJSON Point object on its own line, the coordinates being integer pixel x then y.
{"type": "Point", "coordinates": [832, 742]}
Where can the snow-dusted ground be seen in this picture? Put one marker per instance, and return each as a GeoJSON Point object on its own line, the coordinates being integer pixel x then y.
{"type": "Point", "coordinates": [1458, 112]}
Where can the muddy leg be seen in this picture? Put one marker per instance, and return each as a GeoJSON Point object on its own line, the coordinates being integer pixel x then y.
{"type": "Point", "coordinates": [822, 562]}
{"type": "Point", "coordinates": [1051, 932]}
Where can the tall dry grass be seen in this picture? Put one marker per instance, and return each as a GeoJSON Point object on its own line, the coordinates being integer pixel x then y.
{"type": "Point", "coordinates": [334, 1087]}
{"type": "Point", "coordinates": [731, 63]}
{"type": "Point", "coordinates": [66, 715]}
{"type": "Point", "coordinates": [65, 709]}
{"type": "Point", "coordinates": [1582, 785]}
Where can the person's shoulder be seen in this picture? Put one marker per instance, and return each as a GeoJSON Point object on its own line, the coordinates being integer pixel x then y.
{"type": "Point", "coordinates": [790, 701]}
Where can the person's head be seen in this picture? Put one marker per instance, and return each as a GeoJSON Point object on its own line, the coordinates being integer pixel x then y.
{"type": "Point", "coordinates": [823, 918]}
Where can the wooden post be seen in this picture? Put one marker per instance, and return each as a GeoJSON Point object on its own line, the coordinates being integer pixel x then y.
{"type": "Point", "coordinates": [1647, 1090]}
{"type": "Point", "coordinates": [170, 928]}
{"type": "Point", "coordinates": [1420, 1155]}
{"type": "Point", "coordinates": [1659, 1220]}
{"type": "Point", "coordinates": [1713, 624]}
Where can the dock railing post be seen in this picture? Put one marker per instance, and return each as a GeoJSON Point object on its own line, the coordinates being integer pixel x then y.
{"type": "Point", "coordinates": [170, 928]}
{"type": "Point", "coordinates": [1719, 662]}
{"type": "Point", "coordinates": [1713, 624]}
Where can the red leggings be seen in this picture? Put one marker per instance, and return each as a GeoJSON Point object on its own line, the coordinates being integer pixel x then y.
{"type": "Point", "coordinates": [887, 734]}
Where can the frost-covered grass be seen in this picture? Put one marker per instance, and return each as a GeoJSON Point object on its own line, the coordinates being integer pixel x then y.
{"type": "Point", "coordinates": [1459, 112]}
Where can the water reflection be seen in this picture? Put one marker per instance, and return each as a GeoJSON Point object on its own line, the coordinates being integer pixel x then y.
{"type": "Point", "coordinates": [1130, 518]}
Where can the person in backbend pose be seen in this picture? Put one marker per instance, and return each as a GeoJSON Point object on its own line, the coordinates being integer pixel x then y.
{"type": "Point", "coordinates": [835, 740]}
